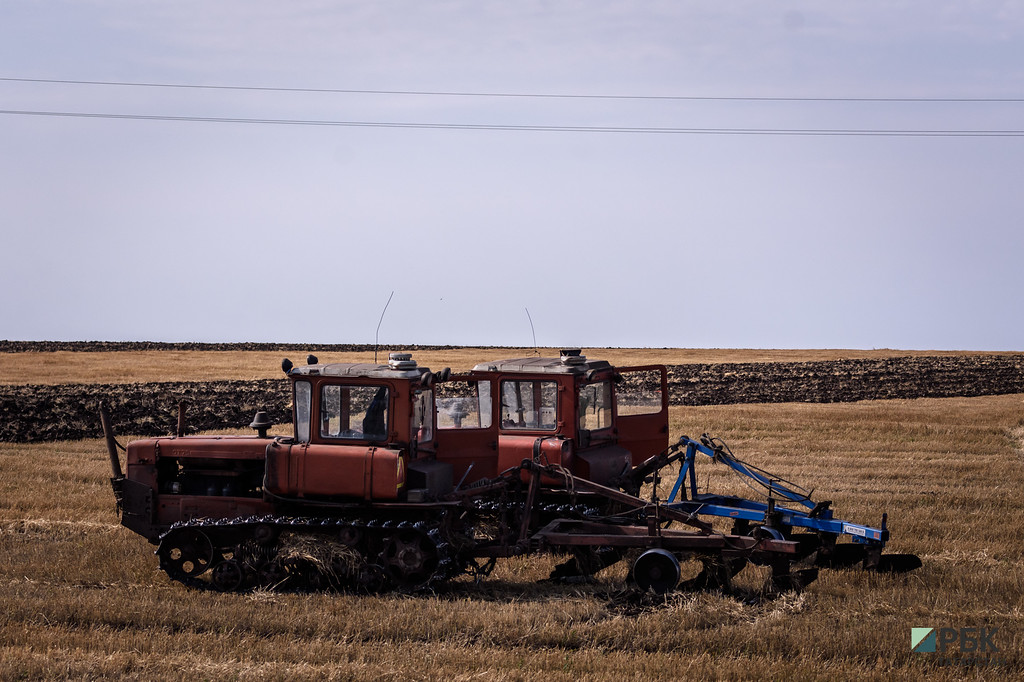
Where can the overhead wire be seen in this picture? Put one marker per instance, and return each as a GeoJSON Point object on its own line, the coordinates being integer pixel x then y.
{"type": "Point", "coordinates": [834, 132]}
{"type": "Point", "coordinates": [537, 95]}
{"type": "Point", "coordinates": [609, 129]}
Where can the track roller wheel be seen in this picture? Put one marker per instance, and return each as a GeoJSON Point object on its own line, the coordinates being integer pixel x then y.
{"type": "Point", "coordinates": [410, 557]}
{"type": "Point", "coordinates": [265, 534]}
{"type": "Point", "coordinates": [185, 552]}
{"type": "Point", "coordinates": [272, 574]}
{"type": "Point", "coordinates": [228, 576]}
{"type": "Point", "coordinates": [350, 535]}
{"type": "Point", "coordinates": [372, 578]}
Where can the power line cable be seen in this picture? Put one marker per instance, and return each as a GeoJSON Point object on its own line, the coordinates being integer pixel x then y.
{"type": "Point", "coordinates": [834, 132]}
{"type": "Point", "coordinates": [447, 93]}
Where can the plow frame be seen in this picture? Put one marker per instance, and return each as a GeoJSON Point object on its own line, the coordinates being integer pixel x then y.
{"type": "Point", "coordinates": [816, 517]}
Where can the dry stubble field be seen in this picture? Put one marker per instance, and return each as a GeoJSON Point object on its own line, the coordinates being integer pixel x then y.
{"type": "Point", "coordinates": [81, 597]}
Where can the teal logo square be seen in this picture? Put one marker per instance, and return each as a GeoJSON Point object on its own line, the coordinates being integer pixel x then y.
{"type": "Point", "coordinates": [922, 640]}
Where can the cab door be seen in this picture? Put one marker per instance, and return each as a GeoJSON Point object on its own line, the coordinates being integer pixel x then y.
{"type": "Point", "coordinates": [467, 433]}
{"type": "Point", "coordinates": [641, 410]}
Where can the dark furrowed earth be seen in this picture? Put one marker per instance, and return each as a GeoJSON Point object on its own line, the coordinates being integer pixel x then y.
{"type": "Point", "coordinates": [101, 346]}
{"type": "Point", "coordinates": [34, 413]}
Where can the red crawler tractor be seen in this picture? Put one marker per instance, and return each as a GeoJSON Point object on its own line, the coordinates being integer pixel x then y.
{"type": "Point", "coordinates": [396, 477]}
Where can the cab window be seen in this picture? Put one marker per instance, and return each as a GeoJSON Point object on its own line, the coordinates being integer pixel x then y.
{"type": "Point", "coordinates": [354, 412]}
{"type": "Point", "coordinates": [595, 406]}
{"type": "Point", "coordinates": [422, 416]}
{"type": "Point", "coordinates": [464, 405]}
{"type": "Point", "coordinates": [529, 405]}
{"type": "Point", "coordinates": [303, 400]}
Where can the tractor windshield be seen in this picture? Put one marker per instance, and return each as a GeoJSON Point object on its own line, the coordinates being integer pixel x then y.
{"type": "Point", "coordinates": [354, 412]}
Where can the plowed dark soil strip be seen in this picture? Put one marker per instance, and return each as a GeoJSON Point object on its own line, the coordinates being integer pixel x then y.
{"type": "Point", "coordinates": [102, 346]}
{"type": "Point", "coordinates": [69, 412]}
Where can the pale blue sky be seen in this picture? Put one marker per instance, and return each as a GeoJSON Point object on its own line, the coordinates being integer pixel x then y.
{"type": "Point", "coordinates": [125, 229]}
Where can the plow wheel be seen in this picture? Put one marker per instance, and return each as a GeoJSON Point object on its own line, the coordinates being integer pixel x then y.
{"type": "Point", "coordinates": [656, 570]}
{"type": "Point", "coordinates": [187, 552]}
{"type": "Point", "coordinates": [410, 557]}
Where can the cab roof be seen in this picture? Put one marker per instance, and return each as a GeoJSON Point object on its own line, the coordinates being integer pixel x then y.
{"type": "Point", "coordinates": [400, 366]}
{"type": "Point", "coordinates": [360, 370]}
{"type": "Point", "coordinates": [567, 364]}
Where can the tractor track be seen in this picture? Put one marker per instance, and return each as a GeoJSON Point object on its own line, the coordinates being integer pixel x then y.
{"type": "Point", "coordinates": [358, 552]}
{"type": "Point", "coordinates": [306, 554]}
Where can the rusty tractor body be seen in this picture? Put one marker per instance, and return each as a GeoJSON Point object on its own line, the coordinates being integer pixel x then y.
{"type": "Point", "coordinates": [396, 477]}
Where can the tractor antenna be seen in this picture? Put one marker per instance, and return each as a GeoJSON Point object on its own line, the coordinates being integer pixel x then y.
{"type": "Point", "coordinates": [532, 331]}
{"type": "Point", "coordinates": [377, 335]}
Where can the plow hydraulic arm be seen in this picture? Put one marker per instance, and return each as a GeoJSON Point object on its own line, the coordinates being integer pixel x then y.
{"type": "Point", "coordinates": [786, 512]}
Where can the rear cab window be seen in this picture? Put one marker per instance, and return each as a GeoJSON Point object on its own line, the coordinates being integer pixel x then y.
{"type": "Point", "coordinates": [529, 404]}
{"type": "Point", "coordinates": [464, 405]}
{"type": "Point", "coordinates": [422, 416]}
{"type": "Point", "coordinates": [594, 406]}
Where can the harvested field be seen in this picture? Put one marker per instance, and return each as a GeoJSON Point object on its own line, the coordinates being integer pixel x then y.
{"type": "Point", "coordinates": [80, 597]}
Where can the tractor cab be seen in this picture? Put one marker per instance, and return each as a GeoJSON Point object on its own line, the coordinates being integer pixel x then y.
{"type": "Point", "coordinates": [365, 404]}
{"type": "Point", "coordinates": [593, 419]}
{"type": "Point", "coordinates": [400, 432]}
{"type": "Point", "coordinates": [357, 427]}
